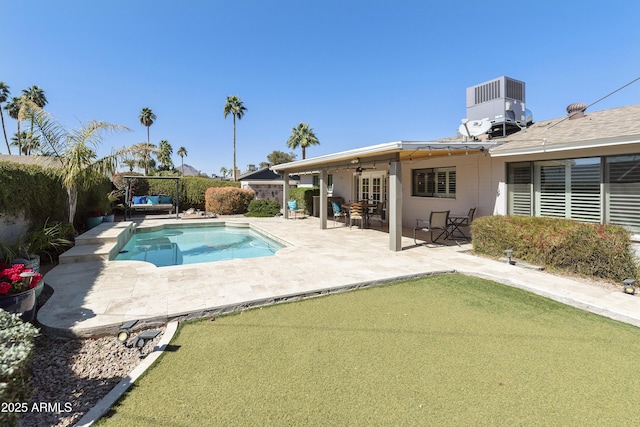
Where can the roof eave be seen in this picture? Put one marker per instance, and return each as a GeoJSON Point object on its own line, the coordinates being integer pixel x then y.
{"type": "Point", "coordinates": [567, 146]}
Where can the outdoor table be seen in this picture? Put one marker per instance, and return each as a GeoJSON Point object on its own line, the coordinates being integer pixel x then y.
{"type": "Point", "coordinates": [455, 222]}
{"type": "Point", "coordinates": [365, 210]}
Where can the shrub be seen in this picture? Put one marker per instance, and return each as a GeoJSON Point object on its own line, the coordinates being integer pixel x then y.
{"type": "Point", "coordinates": [16, 351]}
{"type": "Point", "coordinates": [192, 189]}
{"type": "Point", "coordinates": [558, 244]}
{"type": "Point", "coordinates": [228, 200]}
{"type": "Point", "coordinates": [263, 208]}
{"type": "Point", "coordinates": [304, 197]}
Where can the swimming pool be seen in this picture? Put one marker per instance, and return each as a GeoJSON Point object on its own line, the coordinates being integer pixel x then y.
{"type": "Point", "coordinates": [176, 245]}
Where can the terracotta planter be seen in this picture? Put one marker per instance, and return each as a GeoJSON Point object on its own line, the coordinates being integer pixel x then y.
{"type": "Point", "coordinates": [23, 304]}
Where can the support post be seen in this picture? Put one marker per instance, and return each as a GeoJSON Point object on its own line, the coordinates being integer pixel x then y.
{"type": "Point", "coordinates": [323, 199]}
{"type": "Point", "coordinates": [285, 195]}
{"type": "Point", "coordinates": [395, 206]}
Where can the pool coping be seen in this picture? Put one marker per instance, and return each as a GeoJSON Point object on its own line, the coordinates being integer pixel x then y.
{"type": "Point", "coordinates": [94, 296]}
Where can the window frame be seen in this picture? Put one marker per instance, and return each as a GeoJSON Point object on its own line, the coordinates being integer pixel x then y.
{"type": "Point", "coordinates": [439, 182]}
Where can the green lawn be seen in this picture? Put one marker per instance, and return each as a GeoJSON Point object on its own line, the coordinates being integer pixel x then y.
{"type": "Point", "coordinates": [442, 350]}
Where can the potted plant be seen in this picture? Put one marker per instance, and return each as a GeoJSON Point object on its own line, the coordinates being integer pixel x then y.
{"type": "Point", "coordinates": [114, 198]}
{"type": "Point", "coordinates": [94, 218]}
{"type": "Point", "coordinates": [49, 240]}
{"type": "Point", "coordinates": [17, 290]}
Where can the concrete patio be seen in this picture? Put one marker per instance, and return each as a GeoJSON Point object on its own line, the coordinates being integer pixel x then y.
{"type": "Point", "coordinates": [93, 296]}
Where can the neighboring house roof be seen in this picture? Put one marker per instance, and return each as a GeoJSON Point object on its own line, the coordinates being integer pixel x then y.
{"type": "Point", "coordinates": [264, 174]}
{"type": "Point", "coordinates": [615, 126]}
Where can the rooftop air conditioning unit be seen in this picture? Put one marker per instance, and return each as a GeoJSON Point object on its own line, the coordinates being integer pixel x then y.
{"type": "Point", "coordinates": [500, 101]}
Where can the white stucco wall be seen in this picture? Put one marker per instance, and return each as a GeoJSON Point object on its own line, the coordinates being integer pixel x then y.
{"type": "Point", "coordinates": [12, 228]}
{"type": "Point", "coordinates": [480, 183]}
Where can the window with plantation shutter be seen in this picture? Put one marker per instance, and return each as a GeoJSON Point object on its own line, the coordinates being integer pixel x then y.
{"type": "Point", "coordinates": [520, 189]}
{"type": "Point", "coordinates": [622, 189]}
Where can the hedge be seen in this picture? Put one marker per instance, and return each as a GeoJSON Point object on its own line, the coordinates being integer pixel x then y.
{"type": "Point", "coordinates": [38, 193]}
{"type": "Point", "coordinates": [304, 197]}
{"type": "Point", "coordinates": [228, 200]}
{"type": "Point", "coordinates": [33, 190]}
{"type": "Point", "coordinates": [16, 351]}
{"type": "Point", "coordinates": [192, 189]}
{"type": "Point", "coordinates": [596, 250]}
{"type": "Point", "coordinates": [263, 208]}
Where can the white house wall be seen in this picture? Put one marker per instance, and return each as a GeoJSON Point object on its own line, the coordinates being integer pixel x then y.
{"type": "Point", "coordinates": [478, 181]}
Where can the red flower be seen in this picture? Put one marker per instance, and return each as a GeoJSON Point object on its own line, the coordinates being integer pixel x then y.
{"type": "Point", "coordinates": [4, 288]}
{"type": "Point", "coordinates": [11, 281]}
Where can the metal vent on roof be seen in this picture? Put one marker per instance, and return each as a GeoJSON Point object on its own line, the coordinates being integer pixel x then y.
{"type": "Point", "coordinates": [576, 110]}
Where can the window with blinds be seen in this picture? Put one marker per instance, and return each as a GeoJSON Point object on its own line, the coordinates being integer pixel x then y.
{"type": "Point", "coordinates": [520, 189]}
{"type": "Point", "coordinates": [622, 189]}
{"type": "Point", "coordinates": [434, 182]}
{"type": "Point", "coordinates": [568, 188]}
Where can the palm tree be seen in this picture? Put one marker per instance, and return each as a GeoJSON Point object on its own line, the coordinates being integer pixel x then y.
{"type": "Point", "coordinates": [182, 152]}
{"type": "Point", "coordinates": [165, 150]}
{"type": "Point", "coordinates": [38, 98]}
{"type": "Point", "coordinates": [143, 152]}
{"type": "Point", "coordinates": [25, 138]}
{"type": "Point", "coordinates": [75, 149]}
{"type": "Point", "coordinates": [4, 95]}
{"type": "Point", "coordinates": [146, 119]}
{"type": "Point", "coordinates": [131, 163]}
{"type": "Point", "coordinates": [302, 136]}
{"type": "Point", "coordinates": [235, 107]}
{"type": "Point", "coordinates": [18, 108]}
{"type": "Point", "coordinates": [224, 171]}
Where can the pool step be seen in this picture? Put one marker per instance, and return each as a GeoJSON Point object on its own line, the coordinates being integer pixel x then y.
{"type": "Point", "coordinates": [87, 252]}
{"type": "Point", "coordinates": [99, 243]}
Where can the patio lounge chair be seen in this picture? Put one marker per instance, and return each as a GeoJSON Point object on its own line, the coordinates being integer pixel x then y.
{"type": "Point", "coordinates": [293, 207]}
{"type": "Point", "coordinates": [338, 213]}
{"type": "Point", "coordinates": [438, 221]}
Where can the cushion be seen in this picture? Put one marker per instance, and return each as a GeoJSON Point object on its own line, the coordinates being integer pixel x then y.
{"type": "Point", "coordinates": [336, 207]}
{"type": "Point", "coordinates": [293, 205]}
{"type": "Point", "coordinates": [153, 200]}
{"type": "Point", "coordinates": [139, 200]}
{"type": "Point", "coordinates": [166, 200]}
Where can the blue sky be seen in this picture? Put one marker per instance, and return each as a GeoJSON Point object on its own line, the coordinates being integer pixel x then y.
{"type": "Point", "coordinates": [359, 72]}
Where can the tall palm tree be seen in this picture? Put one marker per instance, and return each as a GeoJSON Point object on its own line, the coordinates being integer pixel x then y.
{"type": "Point", "coordinates": [75, 149]}
{"type": "Point", "coordinates": [165, 150]}
{"type": "Point", "coordinates": [17, 109]}
{"type": "Point", "coordinates": [4, 95]}
{"type": "Point", "coordinates": [235, 107]}
{"type": "Point", "coordinates": [302, 136]}
{"type": "Point", "coordinates": [146, 119]}
{"type": "Point", "coordinates": [36, 96]}
{"type": "Point", "coordinates": [182, 152]}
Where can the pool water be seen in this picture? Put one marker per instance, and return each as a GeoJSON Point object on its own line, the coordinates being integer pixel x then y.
{"type": "Point", "coordinates": [192, 245]}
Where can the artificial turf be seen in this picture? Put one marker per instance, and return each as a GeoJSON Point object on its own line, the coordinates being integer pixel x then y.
{"type": "Point", "coordinates": [441, 350]}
